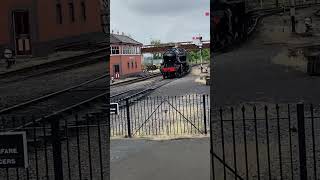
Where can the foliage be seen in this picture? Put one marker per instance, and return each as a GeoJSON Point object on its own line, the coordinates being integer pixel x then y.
{"type": "Point", "coordinates": [194, 56]}
{"type": "Point", "coordinates": [156, 42]}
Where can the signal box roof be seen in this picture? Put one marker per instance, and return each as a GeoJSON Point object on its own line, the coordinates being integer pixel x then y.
{"type": "Point", "coordinates": [123, 39]}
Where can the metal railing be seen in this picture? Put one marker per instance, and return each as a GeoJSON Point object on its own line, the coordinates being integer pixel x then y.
{"type": "Point", "coordinates": [279, 142]}
{"type": "Point", "coordinates": [63, 148]}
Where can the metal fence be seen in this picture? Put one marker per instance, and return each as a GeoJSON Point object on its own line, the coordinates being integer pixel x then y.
{"type": "Point", "coordinates": [62, 147]}
{"type": "Point", "coordinates": [176, 115]}
{"type": "Point", "coordinates": [280, 142]}
{"type": "Point", "coordinates": [76, 146]}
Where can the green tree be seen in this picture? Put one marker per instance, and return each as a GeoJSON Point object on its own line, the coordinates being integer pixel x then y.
{"type": "Point", "coordinates": [194, 56]}
{"type": "Point", "coordinates": [156, 42]}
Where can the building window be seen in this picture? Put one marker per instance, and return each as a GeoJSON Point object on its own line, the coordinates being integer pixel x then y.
{"type": "Point", "coordinates": [83, 11]}
{"type": "Point", "coordinates": [136, 64]}
{"type": "Point", "coordinates": [128, 65]}
{"type": "Point", "coordinates": [125, 50]}
{"type": "Point", "coordinates": [115, 50]}
{"type": "Point", "coordinates": [59, 13]}
{"type": "Point", "coordinates": [71, 12]}
{"type": "Point", "coordinates": [132, 64]}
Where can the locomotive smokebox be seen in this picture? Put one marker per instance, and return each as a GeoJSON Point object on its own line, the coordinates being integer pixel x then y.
{"type": "Point", "coordinates": [174, 63]}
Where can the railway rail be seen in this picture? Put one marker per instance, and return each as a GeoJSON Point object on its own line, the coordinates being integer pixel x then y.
{"type": "Point", "coordinates": [92, 57]}
{"type": "Point", "coordinates": [255, 17]}
{"type": "Point", "coordinates": [65, 101]}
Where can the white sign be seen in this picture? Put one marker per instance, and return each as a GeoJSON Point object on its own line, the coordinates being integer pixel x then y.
{"type": "Point", "coordinates": [13, 150]}
{"type": "Point", "coordinates": [114, 108]}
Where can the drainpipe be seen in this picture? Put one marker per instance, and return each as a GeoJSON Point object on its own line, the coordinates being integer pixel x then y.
{"type": "Point", "coordinates": [120, 53]}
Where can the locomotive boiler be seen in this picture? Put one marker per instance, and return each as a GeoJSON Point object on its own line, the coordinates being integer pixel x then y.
{"type": "Point", "coordinates": [174, 63]}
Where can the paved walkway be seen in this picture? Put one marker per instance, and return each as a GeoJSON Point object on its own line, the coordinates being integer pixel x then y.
{"type": "Point", "coordinates": [261, 70]}
{"type": "Point", "coordinates": [142, 159]}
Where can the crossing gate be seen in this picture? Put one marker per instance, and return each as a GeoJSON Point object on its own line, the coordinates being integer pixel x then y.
{"type": "Point", "coordinates": [178, 115]}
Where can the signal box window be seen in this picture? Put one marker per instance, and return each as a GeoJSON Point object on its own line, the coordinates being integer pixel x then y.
{"type": "Point", "coordinates": [115, 50]}
{"type": "Point", "coordinates": [128, 65]}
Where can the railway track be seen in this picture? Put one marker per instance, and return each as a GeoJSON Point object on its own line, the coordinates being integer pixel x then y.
{"type": "Point", "coordinates": [63, 102]}
{"type": "Point", "coordinates": [255, 18]}
{"type": "Point", "coordinates": [92, 57]}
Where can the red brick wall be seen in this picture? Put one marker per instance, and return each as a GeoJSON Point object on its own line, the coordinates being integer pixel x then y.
{"type": "Point", "coordinates": [48, 27]}
{"type": "Point", "coordinates": [123, 60]}
{"type": "Point", "coordinates": [50, 30]}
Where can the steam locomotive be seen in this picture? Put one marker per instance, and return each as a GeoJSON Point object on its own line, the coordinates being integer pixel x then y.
{"type": "Point", "coordinates": [229, 22]}
{"type": "Point", "coordinates": [174, 63]}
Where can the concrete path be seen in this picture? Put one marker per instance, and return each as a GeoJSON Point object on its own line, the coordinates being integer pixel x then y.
{"type": "Point", "coordinates": [178, 159]}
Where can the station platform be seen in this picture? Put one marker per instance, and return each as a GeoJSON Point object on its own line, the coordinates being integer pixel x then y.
{"type": "Point", "coordinates": [24, 63]}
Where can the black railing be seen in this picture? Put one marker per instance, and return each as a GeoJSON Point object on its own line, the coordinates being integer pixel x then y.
{"type": "Point", "coordinates": [261, 142]}
{"type": "Point", "coordinates": [65, 147]}
{"type": "Point", "coordinates": [177, 115]}
{"type": "Point", "coordinates": [62, 148]}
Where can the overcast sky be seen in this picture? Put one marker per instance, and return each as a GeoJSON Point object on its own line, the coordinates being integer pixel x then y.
{"type": "Point", "coordinates": [167, 20]}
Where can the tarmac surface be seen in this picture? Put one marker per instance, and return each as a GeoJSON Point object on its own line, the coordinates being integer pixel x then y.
{"type": "Point", "coordinates": [253, 72]}
{"type": "Point", "coordinates": [143, 159]}
{"type": "Point", "coordinates": [186, 85]}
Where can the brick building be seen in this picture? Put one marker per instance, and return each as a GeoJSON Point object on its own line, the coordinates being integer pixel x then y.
{"type": "Point", "coordinates": [125, 55]}
{"type": "Point", "coordinates": [36, 27]}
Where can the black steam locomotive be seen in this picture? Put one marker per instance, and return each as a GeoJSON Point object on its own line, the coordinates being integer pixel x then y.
{"type": "Point", "coordinates": [229, 22]}
{"type": "Point", "coordinates": [174, 63]}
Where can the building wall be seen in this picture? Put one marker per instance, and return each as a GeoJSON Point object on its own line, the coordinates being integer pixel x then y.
{"type": "Point", "coordinates": [123, 61]}
{"type": "Point", "coordinates": [46, 33]}
{"type": "Point", "coordinates": [53, 30]}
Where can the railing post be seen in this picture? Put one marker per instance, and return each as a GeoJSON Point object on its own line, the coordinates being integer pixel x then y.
{"type": "Point", "coordinates": [302, 142]}
{"type": "Point", "coordinates": [56, 148]}
{"type": "Point", "coordinates": [204, 114]}
{"type": "Point", "coordinates": [128, 117]}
